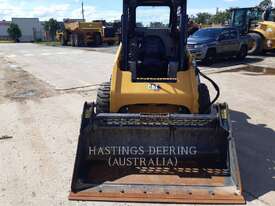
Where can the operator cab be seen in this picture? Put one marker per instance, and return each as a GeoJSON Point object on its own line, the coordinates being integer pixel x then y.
{"type": "Point", "coordinates": [269, 14]}
{"type": "Point", "coordinates": [154, 39]}
{"type": "Point", "coordinates": [248, 18]}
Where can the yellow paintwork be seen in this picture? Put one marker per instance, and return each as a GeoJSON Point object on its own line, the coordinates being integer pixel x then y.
{"type": "Point", "coordinates": [72, 26]}
{"type": "Point", "coordinates": [124, 92]}
{"type": "Point", "coordinates": [266, 29]}
{"type": "Point", "coordinates": [59, 35]}
{"type": "Point", "coordinates": [88, 29]}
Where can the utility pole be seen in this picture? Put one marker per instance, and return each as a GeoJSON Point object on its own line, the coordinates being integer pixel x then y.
{"type": "Point", "coordinates": [82, 5]}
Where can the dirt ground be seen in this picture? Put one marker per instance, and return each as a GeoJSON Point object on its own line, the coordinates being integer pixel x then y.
{"type": "Point", "coordinates": [39, 127]}
{"type": "Point", "coordinates": [19, 85]}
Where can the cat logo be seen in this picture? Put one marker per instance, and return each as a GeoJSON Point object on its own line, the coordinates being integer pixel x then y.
{"type": "Point", "coordinates": [153, 87]}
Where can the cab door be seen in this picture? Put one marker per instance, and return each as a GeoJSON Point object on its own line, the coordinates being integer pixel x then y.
{"type": "Point", "coordinates": [223, 45]}
{"type": "Point", "coordinates": [234, 41]}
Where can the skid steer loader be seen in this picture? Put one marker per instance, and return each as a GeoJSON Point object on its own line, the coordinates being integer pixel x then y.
{"type": "Point", "coordinates": [153, 134]}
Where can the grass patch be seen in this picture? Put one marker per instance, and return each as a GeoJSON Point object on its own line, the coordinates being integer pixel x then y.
{"type": "Point", "coordinates": [6, 41]}
{"type": "Point", "coordinates": [49, 43]}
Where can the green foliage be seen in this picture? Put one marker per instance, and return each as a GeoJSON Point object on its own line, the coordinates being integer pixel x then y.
{"type": "Point", "coordinates": [221, 17]}
{"type": "Point", "coordinates": [203, 18]}
{"type": "Point", "coordinates": [51, 26]}
{"type": "Point", "coordinates": [265, 4]}
{"type": "Point", "coordinates": [157, 25]}
{"type": "Point", "coordinates": [14, 32]}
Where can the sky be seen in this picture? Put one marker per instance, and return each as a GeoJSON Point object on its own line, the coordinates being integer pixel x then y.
{"type": "Point", "coordinates": [97, 9]}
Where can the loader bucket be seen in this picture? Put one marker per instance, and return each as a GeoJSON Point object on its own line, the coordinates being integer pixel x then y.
{"type": "Point", "coordinates": [172, 158]}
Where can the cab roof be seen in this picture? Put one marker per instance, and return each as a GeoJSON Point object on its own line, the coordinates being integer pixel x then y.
{"type": "Point", "coordinates": [156, 2]}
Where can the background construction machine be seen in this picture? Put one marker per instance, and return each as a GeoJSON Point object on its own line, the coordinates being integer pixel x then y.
{"type": "Point", "coordinates": [87, 33]}
{"type": "Point", "coordinates": [153, 134]}
{"type": "Point", "coordinates": [259, 23]}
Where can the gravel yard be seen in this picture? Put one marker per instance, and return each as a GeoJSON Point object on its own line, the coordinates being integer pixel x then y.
{"type": "Point", "coordinates": [42, 92]}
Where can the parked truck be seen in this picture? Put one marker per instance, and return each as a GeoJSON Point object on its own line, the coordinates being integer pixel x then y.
{"type": "Point", "coordinates": [211, 43]}
{"type": "Point", "coordinates": [87, 33]}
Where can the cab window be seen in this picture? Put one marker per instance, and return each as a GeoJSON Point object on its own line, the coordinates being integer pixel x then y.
{"type": "Point", "coordinates": [272, 16]}
{"type": "Point", "coordinates": [153, 16]}
{"type": "Point", "coordinates": [225, 36]}
{"type": "Point", "coordinates": [233, 34]}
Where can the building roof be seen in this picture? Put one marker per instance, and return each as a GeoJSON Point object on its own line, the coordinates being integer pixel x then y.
{"type": "Point", "coordinates": [25, 18]}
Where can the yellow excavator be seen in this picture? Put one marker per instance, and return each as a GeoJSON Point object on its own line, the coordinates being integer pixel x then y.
{"type": "Point", "coordinates": [259, 23]}
{"type": "Point", "coordinates": [153, 134]}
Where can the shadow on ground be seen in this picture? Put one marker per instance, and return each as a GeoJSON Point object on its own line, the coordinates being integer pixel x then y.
{"type": "Point", "coordinates": [270, 54]}
{"type": "Point", "coordinates": [223, 63]}
{"type": "Point", "coordinates": [250, 71]}
{"type": "Point", "coordinates": [256, 153]}
{"type": "Point", "coordinates": [104, 48]}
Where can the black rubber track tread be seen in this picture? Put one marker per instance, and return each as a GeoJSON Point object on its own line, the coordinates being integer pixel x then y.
{"type": "Point", "coordinates": [103, 98]}
{"type": "Point", "coordinates": [204, 99]}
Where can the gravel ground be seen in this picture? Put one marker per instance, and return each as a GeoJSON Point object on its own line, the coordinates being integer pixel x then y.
{"type": "Point", "coordinates": [40, 119]}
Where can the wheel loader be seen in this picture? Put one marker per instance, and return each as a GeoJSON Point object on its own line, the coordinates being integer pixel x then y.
{"type": "Point", "coordinates": [259, 24]}
{"type": "Point", "coordinates": [153, 134]}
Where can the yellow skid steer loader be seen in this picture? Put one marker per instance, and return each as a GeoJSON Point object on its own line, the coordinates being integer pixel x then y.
{"type": "Point", "coordinates": [153, 134]}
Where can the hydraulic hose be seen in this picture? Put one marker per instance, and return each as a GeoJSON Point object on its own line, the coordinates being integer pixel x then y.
{"type": "Point", "coordinates": [214, 85]}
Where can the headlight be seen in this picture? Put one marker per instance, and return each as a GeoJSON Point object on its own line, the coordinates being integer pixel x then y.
{"type": "Point", "coordinates": [269, 30]}
{"type": "Point", "coordinates": [200, 46]}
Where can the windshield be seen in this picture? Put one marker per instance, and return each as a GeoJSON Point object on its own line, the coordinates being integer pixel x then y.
{"type": "Point", "coordinates": [254, 15]}
{"type": "Point", "coordinates": [153, 16]}
{"type": "Point", "coordinates": [240, 16]}
{"type": "Point", "coordinates": [271, 16]}
{"type": "Point", "coordinates": [207, 33]}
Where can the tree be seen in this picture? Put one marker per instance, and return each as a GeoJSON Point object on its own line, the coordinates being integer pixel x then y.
{"type": "Point", "coordinates": [221, 17]}
{"type": "Point", "coordinates": [265, 4]}
{"type": "Point", "coordinates": [203, 18]}
{"type": "Point", "coordinates": [14, 32]}
{"type": "Point", "coordinates": [51, 27]}
{"type": "Point", "coordinates": [157, 25]}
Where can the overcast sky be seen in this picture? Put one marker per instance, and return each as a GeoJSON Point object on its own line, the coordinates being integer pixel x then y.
{"type": "Point", "coordinates": [97, 9]}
